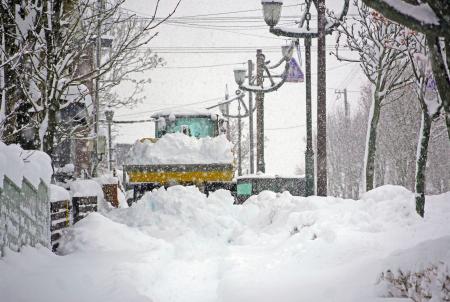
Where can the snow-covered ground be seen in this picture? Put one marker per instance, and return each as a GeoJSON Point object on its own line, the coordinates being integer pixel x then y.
{"type": "Point", "coordinates": [178, 245]}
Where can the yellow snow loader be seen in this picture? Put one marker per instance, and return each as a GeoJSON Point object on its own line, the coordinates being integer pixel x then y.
{"type": "Point", "coordinates": [189, 148]}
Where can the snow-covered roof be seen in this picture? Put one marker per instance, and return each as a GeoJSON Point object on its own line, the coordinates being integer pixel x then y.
{"type": "Point", "coordinates": [183, 112]}
{"type": "Point", "coordinates": [275, 1]}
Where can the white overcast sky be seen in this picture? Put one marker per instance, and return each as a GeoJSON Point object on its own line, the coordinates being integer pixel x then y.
{"type": "Point", "coordinates": [174, 86]}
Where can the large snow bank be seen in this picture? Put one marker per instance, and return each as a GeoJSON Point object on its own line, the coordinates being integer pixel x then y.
{"type": "Point", "coordinates": [180, 245]}
{"type": "Point", "coordinates": [178, 148]}
{"type": "Point", "coordinates": [17, 163]}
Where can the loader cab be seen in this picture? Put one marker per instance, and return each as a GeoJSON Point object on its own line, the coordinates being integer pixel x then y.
{"type": "Point", "coordinates": [192, 123]}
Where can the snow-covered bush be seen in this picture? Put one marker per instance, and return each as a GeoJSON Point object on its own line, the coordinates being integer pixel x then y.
{"type": "Point", "coordinates": [420, 273]}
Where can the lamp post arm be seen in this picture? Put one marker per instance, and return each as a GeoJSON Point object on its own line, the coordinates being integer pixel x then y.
{"type": "Point", "coordinates": [243, 104]}
{"type": "Point", "coordinates": [275, 65]}
{"type": "Point", "coordinates": [303, 32]}
{"type": "Point", "coordinates": [299, 33]}
{"type": "Point", "coordinates": [252, 88]}
{"type": "Point", "coordinates": [272, 82]}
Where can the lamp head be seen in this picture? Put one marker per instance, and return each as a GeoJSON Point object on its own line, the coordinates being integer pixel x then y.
{"type": "Point", "coordinates": [272, 11]}
{"type": "Point", "coordinates": [239, 75]}
{"type": "Point", "coordinates": [109, 115]}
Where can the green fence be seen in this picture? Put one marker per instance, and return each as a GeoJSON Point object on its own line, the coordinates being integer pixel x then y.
{"type": "Point", "coordinates": [24, 215]}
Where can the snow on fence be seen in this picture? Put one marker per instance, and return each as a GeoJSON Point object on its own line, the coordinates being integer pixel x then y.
{"type": "Point", "coordinates": [24, 215]}
{"type": "Point", "coordinates": [65, 213]}
{"type": "Point", "coordinates": [60, 219]}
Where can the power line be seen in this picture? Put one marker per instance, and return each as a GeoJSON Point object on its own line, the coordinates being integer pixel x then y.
{"type": "Point", "coordinates": [223, 50]}
{"type": "Point", "coordinates": [284, 128]}
{"type": "Point", "coordinates": [202, 66]}
{"type": "Point", "coordinates": [211, 14]}
{"type": "Point", "coordinates": [171, 107]}
{"type": "Point", "coordinates": [237, 63]}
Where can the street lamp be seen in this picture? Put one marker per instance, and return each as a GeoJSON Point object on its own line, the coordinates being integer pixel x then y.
{"type": "Point", "coordinates": [224, 109]}
{"type": "Point", "coordinates": [262, 68]}
{"type": "Point", "coordinates": [272, 11]}
{"type": "Point", "coordinates": [239, 75]}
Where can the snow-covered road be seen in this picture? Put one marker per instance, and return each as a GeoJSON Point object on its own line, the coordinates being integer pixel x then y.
{"type": "Point", "coordinates": [178, 245]}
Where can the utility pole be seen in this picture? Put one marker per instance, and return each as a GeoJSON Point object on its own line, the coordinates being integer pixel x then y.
{"type": "Point", "coordinates": [321, 102]}
{"type": "Point", "coordinates": [224, 109]}
{"type": "Point", "coordinates": [239, 140]}
{"type": "Point", "coordinates": [309, 154]}
{"type": "Point", "coordinates": [250, 119]}
{"type": "Point", "coordinates": [227, 112]}
{"type": "Point", "coordinates": [260, 164]}
{"type": "Point", "coordinates": [97, 82]}
{"type": "Point", "coordinates": [346, 109]}
{"type": "Point", "coordinates": [109, 118]}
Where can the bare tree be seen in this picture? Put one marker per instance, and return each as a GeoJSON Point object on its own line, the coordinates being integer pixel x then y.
{"type": "Point", "coordinates": [431, 107]}
{"type": "Point", "coordinates": [380, 45]}
{"type": "Point", "coordinates": [432, 18]}
{"type": "Point", "coordinates": [60, 68]}
{"type": "Point", "coordinates": [348, 133]}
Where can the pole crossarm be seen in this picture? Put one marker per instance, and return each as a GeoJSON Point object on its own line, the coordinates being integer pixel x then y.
{"type": "Point", "coordinates": [240, 99]}
{"type": "Point", "coordinates": [226, 101]}
{"type": "Point", "coordinates": [246, 114]}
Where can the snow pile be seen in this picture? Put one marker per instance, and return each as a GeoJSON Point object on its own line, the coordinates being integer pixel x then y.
{"type": "Point", "coordinates": [178, 148]}
{"type": "Point", "coordinates": [58, 193]}
{"type": "Point", "coordinates": [180, 245]}
{"type": "Point", "coordinates": [85, 188]}
{"type": "Point", "coordinates": [17, 163]}
{"type": "Point", "coordinates": [107, 179]}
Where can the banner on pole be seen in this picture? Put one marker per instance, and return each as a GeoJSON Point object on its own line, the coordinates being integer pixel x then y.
{"type": "Point", "coordinates": [295, 74]}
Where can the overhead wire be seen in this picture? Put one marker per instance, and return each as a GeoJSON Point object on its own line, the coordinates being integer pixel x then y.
{"type": "Point", "coordinates": [171, 107]}
{"type": "Point", "coordinates": [284, 128]}
{"type": "Point", "coordinates": [213, 14]}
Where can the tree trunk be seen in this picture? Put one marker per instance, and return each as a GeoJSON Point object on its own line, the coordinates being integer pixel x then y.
{"type": "Point", "coordinates": [49, 136]}
{"type": "Point", "coordinates": [421, 162]}
{"type": "Point", "coordinates": [11, 82]}
{"type": "Point", "coordinates": [441, 76]}
{"type": "Point", "coordinates": [369, 160]}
